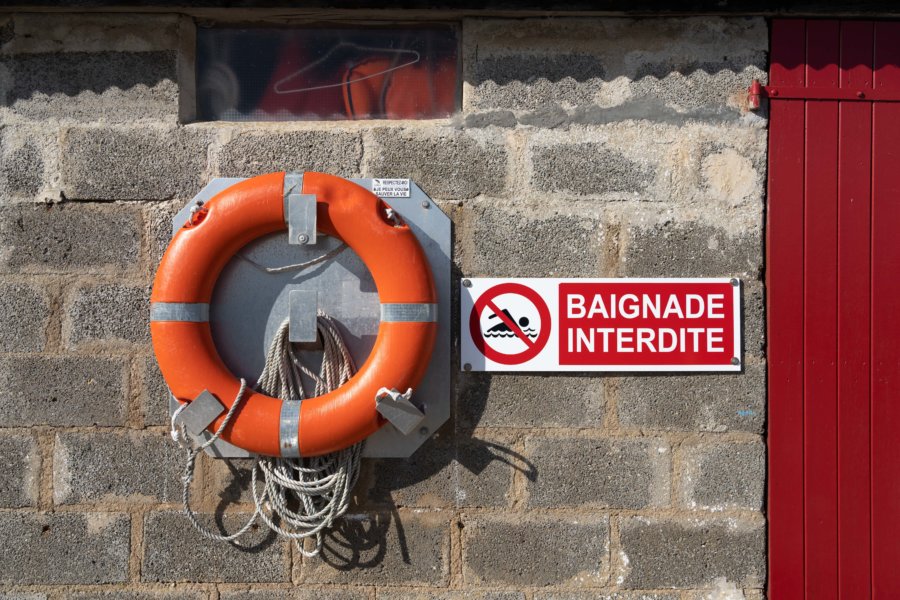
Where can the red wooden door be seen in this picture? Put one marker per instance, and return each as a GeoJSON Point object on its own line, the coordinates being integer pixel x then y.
{"type": "Point", "coordinates": [833, 278]}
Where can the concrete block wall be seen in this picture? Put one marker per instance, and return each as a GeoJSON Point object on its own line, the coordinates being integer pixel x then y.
{"type": "Point", "coordinates": [596, 147]}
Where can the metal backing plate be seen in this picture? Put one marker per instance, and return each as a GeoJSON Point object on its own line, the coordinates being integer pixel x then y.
{"type": "Point", "coordinates": [249, 304]}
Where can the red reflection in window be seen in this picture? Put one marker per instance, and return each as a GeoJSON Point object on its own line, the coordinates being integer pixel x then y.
{"type": "Point", "coordinates": [282, 74]}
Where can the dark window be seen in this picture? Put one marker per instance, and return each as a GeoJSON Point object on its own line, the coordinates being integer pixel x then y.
{"type": "Point", "coordinates": [271, 74]}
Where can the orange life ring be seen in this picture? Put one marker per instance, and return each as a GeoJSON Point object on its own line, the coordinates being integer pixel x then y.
{"type": "Point", "coordinates": [187, 274]}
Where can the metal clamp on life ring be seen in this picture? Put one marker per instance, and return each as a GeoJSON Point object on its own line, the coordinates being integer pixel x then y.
{"type": "Point", "coordinates": [187, 274]}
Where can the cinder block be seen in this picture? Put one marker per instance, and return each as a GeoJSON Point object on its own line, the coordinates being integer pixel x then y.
{"type": "Point", "coordinates": [524, 550]}
{"type": "Point", "coordinates": [398, 594]}
{"type": "Point", "coordinates": [532, 80]}
{"type": "Point", "coordinates": [61, 391]}
{"type": "Point", "coordinates": [724, 476]}
{"type": "Point", "coordinates": [498, 118]}
{"type": "Point", "coordinates": [134, 466]}
{"type": "Point", "coordinates": [427, 478]}
{"type": "Point", "coordinates": [589, 169]}
{"type": "Point", "coordinates": [754, 309]}
{"type": "Point", "coordinates": [37, 32]}
{"type": "Point", "coordinates": [23, 164]}
{"type": "Point", "coordinates": [24, 310]}
{"type": "Point", "coordinates": [230, 480]}
{"type": "Point", "coordinates": [142, 595]}
{"type": "Point", "coordinates": [155, 401]}
{"type": "Point", "coordinates": [549, 117]}
{"type": "Point", "coordinates": [104, 163]}
{"type": "Point", "coordinates": [446, 163]}
{"type": "Point", "coordinates": [399, 548]}
{"type": "Point", "coordinates": [66, 237]}
{"type": "Point", "coordinates": [64, 548]}
{"type": "Point", "coordinates": [691, 250]}
{"type": "Point", "coordinates": [609, 473]}
{"type": "Point", "coordinates": [475, 473]}
{"type": "Point", "coordinates": [92, 86]}
{"type": "Point", "coordinates": [723, 588]}
{"type": "Point", "coordinates": [174, 551]}
{"type": "Point", "coordinates": [678, 65]}
{"type": "Point", "coordinates": [108, 312]}
{"type": "Point", "coordinates": [666, 84]}
{"type": "Point", "coordinates": [729, 175]}
{"type": "Point", "coordinates": [494, 400]}
{"type": "Point", "coordinates": [683, 554]}
{"type": "Point", "coordinates": [505, 241]}
{"type": "Point", "coordinates": [567, 595]}
{"type": "Point", "coordinates": [701, 402]}
{"type": "Point", "coordinates": [159, 216]}
{"type": "Point", "coordinates": [484, 471]}
{"type": "Point", "coordinates": [322, 593]}
{"type": "Point", "coordinates": [249, 154]}
{"type": "Point", "coordinates": [20, 463]}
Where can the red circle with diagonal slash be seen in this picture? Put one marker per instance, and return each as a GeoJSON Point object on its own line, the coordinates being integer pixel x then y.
{"type": "Point", "coordinates": [486, 300]}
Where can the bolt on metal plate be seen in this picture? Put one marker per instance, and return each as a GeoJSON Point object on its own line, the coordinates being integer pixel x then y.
{"type": "Point", "coordinates": [301, 218]}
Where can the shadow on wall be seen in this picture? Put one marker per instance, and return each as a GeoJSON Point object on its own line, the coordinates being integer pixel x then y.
{"type": "Point", "coordinates": [361, 541]}
{"type": "Point", "coordinates": [431, 478]}
{"type": "Point", "coordinates": [71, 73]}
{"type": "Point", "coordinates": [581, 67]}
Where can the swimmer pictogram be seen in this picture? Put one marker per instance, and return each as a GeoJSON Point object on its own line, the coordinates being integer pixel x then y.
{"type": "Point", "coordinates": [501, 329]}
{"type": "Point", "coordinates": [510, 323]}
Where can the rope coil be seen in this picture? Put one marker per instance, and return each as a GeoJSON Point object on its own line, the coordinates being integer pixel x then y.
{"type": "Point", "coordinates": [300, 497]}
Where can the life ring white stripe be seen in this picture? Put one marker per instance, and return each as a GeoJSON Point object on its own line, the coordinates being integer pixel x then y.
{"type": "Point", "coordinates": [409, 313]}
{"type": "Point", "coordinates": [289, 429]}
{"type": "Point", "coordinates": [192, 312]}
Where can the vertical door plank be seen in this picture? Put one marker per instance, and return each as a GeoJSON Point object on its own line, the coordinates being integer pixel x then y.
{"type": "Point", "coordinates": [887, 55]}
{"type": "Point", "coordinates": [820, 314]}
{"type": "Point", "coordinates": [885, 376]}
{"type": "Point", "coordinates": [853, 329]}
{"type": "Point", "coordinates": [784, 277]}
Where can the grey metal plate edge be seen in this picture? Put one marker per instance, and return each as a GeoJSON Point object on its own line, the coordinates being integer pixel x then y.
{"type": "Point", "coordinates": [433, 229]}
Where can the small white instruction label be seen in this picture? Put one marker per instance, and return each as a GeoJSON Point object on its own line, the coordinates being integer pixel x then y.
{"type": "Point", "coordinates": [391, 188]}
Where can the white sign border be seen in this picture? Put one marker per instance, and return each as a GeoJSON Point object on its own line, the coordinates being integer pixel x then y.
{"type": "Point", "coordinates": [470, 356]}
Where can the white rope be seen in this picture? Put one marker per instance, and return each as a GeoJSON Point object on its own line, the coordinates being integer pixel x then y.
{"type": "Point", "coordinates": [187, 478]}
{"type": "Point", "coordinates": [300, 497]}
{"type": "Point", "coordinates": [319, 485]}
{"type": "Point", "coordinates": [298, 266]}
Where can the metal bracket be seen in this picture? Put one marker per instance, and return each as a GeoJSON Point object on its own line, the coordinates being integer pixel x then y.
{"type": "Point", "coordinates": [219, 448]}
{"type": "Point", "coordinates": [396, 408]}
{"type": "Point", "coordinates": [858, 93]}
{"type": "Point", "coordinates": [303, 305]}
{"type": "Point", "coordinates": [200, 412]}
{"type": "Point", "coordinates": [301, 219]}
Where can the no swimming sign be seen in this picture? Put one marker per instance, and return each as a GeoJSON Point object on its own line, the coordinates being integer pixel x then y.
{"type": "Point", "coordinates": [600, 324]}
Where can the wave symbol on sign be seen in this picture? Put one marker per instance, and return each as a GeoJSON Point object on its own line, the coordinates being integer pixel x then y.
{"type": "Point", "coordinates": [502, 330]}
